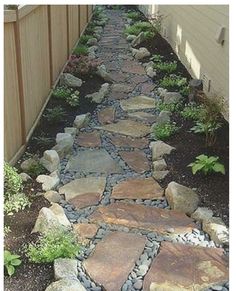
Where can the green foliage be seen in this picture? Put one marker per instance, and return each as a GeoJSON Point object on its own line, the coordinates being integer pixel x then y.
{"type": "Point", "coordinates": [207, 165]}
{"type": "Point", "coordinates": [61, 92]}
{"type": "Point", "coordinates": [55, 114]}
{"type": "Point", "coordinates": [36, 169]}
{"type": "Point", "coordinates": [173, 81]}
{"type": "Point", "coordinates": [73, 99]}
{"type": "Point", "coordinates": [156, 58]}
{"type": "Point", "coordinates": [184, 91]}
{"type": "Point", "coordinates": [43, 141]}
{"type": "Point", "coordinates": [55, 244]}
{"type": "Point", "coordinates": [90, 28]}
{"type": "Point", "coordinates": [134, 15]}
{"type": "Point", "coordinates": [165, 67]}
{"type": "Point", "coordinates": [10, 262]}
{"type": "Point", "coordinates": [164, 131]}
{"type": "Point", "coordinates": [138, 27]}
{"type": "Point", "coordinates": [81, 50]}
{"type": "Point", "coordinates": [84, 39]}
{"type": "Point", "coordinates": [12, 181]}
{"type": "Point", "coordinates": [192, 112]}
{"type": "Point", "coordinates": [206, 128]}
{"type": "Point", "coordinates": [172, 107]}
{"type": "Point", "coordinates": [16, 203]}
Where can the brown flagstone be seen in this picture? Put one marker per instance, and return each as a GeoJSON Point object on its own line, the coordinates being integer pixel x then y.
{"type": "Point", "coordinates": [136, 160]}
{"type": "Point", "coordinates": [139, 79]}
{"type": "Point", "coordinates": [117, 95]}
{"type": "Point", "coordinates": [185, 268]}
{"type": "Point", "coordinates": [114, 258]}
{"type": "Point", "coordinates": [89, 139]}
{"type": "Point", "coordinates": [106, 115]}
{"type": "Point", "coordinates": [142, 188]}
{"type": "Point", "coordinates": [132, 67]}
{"type": "Point", "coordinates": [123, 141]}
{"type": "Point", "coordinates": [143, 217]}
{"type": "Point", "coordinates": [85, 231]}
{"type": "Point", "coordinates": [144, 116]}
{"type": "Point", "coordinates": [147, 88]}
{"type": "Point", "coordinates": [84, 200]}
{"type": "Point", "coordinates": [118, 76]}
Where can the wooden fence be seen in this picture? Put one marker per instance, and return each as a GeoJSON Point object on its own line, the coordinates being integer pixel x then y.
{"type": "Point", "coordinates": [38, 40]}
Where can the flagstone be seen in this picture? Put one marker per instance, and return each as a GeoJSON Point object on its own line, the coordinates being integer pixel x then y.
{"type": "Point", "coordinates": [127, 127]}
{"type": "Point", "coordinates": [89, 139]}
{"type": "Point", "coordinates": [93, 161]}
{"type": "Point", "coordinates": [139, 79]}
{"type": "Point", "coordinates": [143, 217]}
{"type": "Point", "coordinates": [136, 160]}
{"type": "Point", "coordinates": [147, 88]}
{"type": "Point", "coordinates": [82, 186]}
{"type": "Point", "coordinates": [185, 268]}
{"type": "Point", "coordinates": [106, 115]}
{"type": "Point", "coordinates": [142, 188]}
{"type": "Point", "coordinates": [129, 142]}
{"type": "Point", "coordinates": [132, 67]}
{"type": "Point", "coordinates": [143, 116]}
{"type": "Point", "coordinates": [138, 103]}
{"type": "Point", "coordinates": [85, 231]}
{"type": "Point", "coordinates": [118, 77]}
{"type": "Point", "coordinates": [85, 200]}
{"type": "Point", "coordinates": [114, 258]}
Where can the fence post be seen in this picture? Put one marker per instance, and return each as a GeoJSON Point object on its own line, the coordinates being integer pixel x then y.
{"type": "Point", "coordinates": [50, 44]}
{"type": "Point", "coordinates": [20, 78]}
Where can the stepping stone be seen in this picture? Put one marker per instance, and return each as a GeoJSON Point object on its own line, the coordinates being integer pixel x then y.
{"type": "Point", "coordinates": [143, 188]}
{"type": "Point", "coordinates": [143, 116]}
{"type": "Point", "coordinates": [133, 68]}
{"type": "Point", "coordinates": [85, 231]}
{"type": "Point", "coordinates": [118, 77]}
{"type": "Point", "coordinates": [85, 200]}
{"type": "Point", "coordinates": [136, 160]}
{"type": "Point", "coordinates": [124, 141]}
{"type": "Point", "coordinates": [114, 258]}
{"type": "Point", "coordinates": [93, 161]}
{"type": "Point", "coordinates": [117, 95]}
{"type": "Point", "coordinates": [183, 268]}
{"type": "Point", "coordinates": [83, 186]}
{"type": "Point", "coordinates": [143, 217]}
{"type": "Point", "coordinates": [106, 115]}
{"type": "Point", "coordinates": [125, 88]}
{"type": "Point", "coordinates": [138, 103]}
{"type": "Point", "coordinates": [127, 127]}
{"type": "Point", "coordinates": [89, 139]}
{"type": "Point", "coordinates": [147, 88]}
{"type": "Point", "coordinates": [139, 79]}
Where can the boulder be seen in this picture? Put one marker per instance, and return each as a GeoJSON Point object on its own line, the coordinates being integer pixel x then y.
{"type": "Point", "coordinates": [138, 39]}
{"type": "Point", "coordinates": [159, 165]}
{"type": "Point", "coordinates": [159, 175]}
{"type": "Point", "coordinates": [50, 160]}
{"type": "Point", "coordinates": [49, 182]}
{"type": "Point", "coordinates": [71, 130]}
{"type": "Point", "coordinates": [82, 120]}
{"type": "Point", "coordinates": [163, 117]}
{"type": "Point", "coordinates": [66, 284]}
{"type": "Point", "coordinates": [52, 196]}
{"type": "Point", "coordinates": [62, 150]}
{"type": "Point", "coordinates": [159, 149]}
{"type": "Point", "coordinates": [171, 97]}
{"type": "Point", "coordinates": [217, 230]}
{"type": "Point", "coordinates": [65, 268]}
{"type": "Point", "coordinates": [130, 37]}
{"type": "Point", "coordinates": [140, 53]}
{"type": "Point", "coordinates": [102, 72]}
{"type": "Point", "coordinates": [50, 219]}
{"type": "Point", "coordinates": [150, 72]}
{"type": "Point", "coordinates": [181, 198]}
{"type": "Point", "coordinates": [25, 177]}
{"type": "Point", "coordinates": [27, 164]}
{"type": "Point", "coordinates": [92, 41]}
{"type": "Point", "coordinates": [202, 213]}
{"type": "Point", "coordinates": [69, 80]}
{"type": "Point", "coordinates": [92, 49]}
{"type": "Point", "coordinates": [98, 97]}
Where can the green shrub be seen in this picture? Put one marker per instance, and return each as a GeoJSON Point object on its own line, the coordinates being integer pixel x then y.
{"type": "Point", "coordinates": [84, 39]}
{"type": "Point", "coordinates": [168, 82]}
{"type": "Point", "coordinates": [81, 50]}
{"type": "Point", "coordinates": [166, 67]}
{"type": "Point", "coordinates": [15, 203]}
{"type": "Point", "coordinates": [53, 245]}
{"type": "Point", "coordinates": [61, 92]}
{"type": "Point", "coordinates": [206, 128]}
{"type": "Point", "coordinates": [138, 27]}
{"type": "Point", "coordinates": [184, 91]}
{"type": "Point", "coordinates": [192, 112]}
{"type": "Point", "coordinates": [90, 28]}
{"type": "Point", "coordinates": [11, 261]}
{"type": "Point", "coordinates": [164, 131]}
{"type": "Point", "coordinates": [55, 114]}
{"type": "Point", "coordinates": [73, 99]}
{"type": "Point", "coordinates": [172, 107]}
{"type": "Point", "coordinates": [156, 58]}
{"type": "Point", "coordinates": [207, 165]}
{"type": "Point", "coordinates": [12, 181]}
{"type": "Point", "coordinates": [36, 169]}
{"type": "Point", "coordinates": [134, 15]}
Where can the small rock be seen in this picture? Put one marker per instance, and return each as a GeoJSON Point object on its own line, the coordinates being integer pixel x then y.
{"type": "Point", "coordinates": [82, 120]}
{"type": "Point", "coordinates": [92, 41]}
{"type": "Point", "coordinates": [67, 79]}
{"type": "Point", "coordinates": [138, 39]}
{"type": "Point", "coordinates": [159, 165]}
{"type": "Point", "coordinates": [66, 284]}
{"type": "Point", "coordinates": [50, 160]}
{"type": "Point", "coordinates": [71, 130]}
{"type": "Point", "coordinates": [217, 230]}
{"type": "Point", "coordinates": [25, 177]}
{"type": "Point", "coordinates": [49, 182]}
{"type": "Point", "coordinates": [140, 53]}
{"type": "Point", "coordinates": [65, 268]}
{"type": "Point", "coordinates": [163, 117]}
{"type": "Point", "coordinates": [138, 285]}
{"type": "Point", "coordinates": [102, 72]}
{"type": "Point", "coordinates": [159, 175]}
{"type": "Point", "coordinates": [27, 164]}
{"type": "Point", "coordinates": [150, 72]}
{"type": "Point", "coordinates": [130, 37]}
{"type": "Point", "coordinates": [52, 196]}
{"type": "Point", "coordinates": [159, 149]}
{"type": "Point", "coordinates": [98, 97]}
{"type": "Point", "coordinates": [142, 270]}
{"type": "Point", "coordinates": [202, 213]}
{"type": "Point", "coordinates": [171, 97]}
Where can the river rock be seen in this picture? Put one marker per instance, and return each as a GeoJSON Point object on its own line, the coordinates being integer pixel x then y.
{"type": "Point", "coordinates": [163, 117]}
{"type": "Point", "coordinates": [49, 182]}
{"type": "Point", "coordinates": [70, 80]}
{"type": "Point", "coordinates": [102, 72]}
{"type": "Point", "coordinates": [66, 284]}
{"type": "Point", "coordinates": [140, 53]}
{"type": "Point", "coordinates": [217, 230]}
{"type": "Point", "coordinates": [82, 120]}
{"type": "Point", "coordinates": [25, 177]}
{"type": "Point", "coordinates": [50, 160]}
{"type": "Point", "coordinates": [52, 196]}
{"type": "Point", "coordinates": [202, 213]}
{"type": "Point", "coordinates": [65, 268]}
{"type": "Point", "coordinates": [159, 149]}
{"type": "Point", "coordinates": [98, 97]}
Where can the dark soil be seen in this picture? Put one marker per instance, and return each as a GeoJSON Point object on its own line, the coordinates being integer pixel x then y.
{"type": "Point", "coordinates": [28, 276]}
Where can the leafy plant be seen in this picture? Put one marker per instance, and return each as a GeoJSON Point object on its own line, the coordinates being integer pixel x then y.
{"type": "Point", "coordinates": [192, 112]}
{"type": "Point", "coordinates": [81, 50]}
{"type": "Point", "coordinates": [166, 67]}
{"type": "Point", "coordinates": [55, 114]}
{"type": "Point", "coordinates": [138, 27]}
{"type": "Point", "coordinates": [43, 141]}
{"type": "Point", "coordinates": [164, 131]}
{"type": "Point", "coordinates": [11, 261]}
{"type": "Point", "coordinates": [172, 107]}
{"type": "Point", "coordinates": [173, 81]}
{"type": "Point", "coordinates": [156, 58]}
{"type": "Point", "coordinates": [52, 245]}
{"type": "Point", "coordinates": [184, 91]}
{"type": "Point", "coordinates": [12, 181]}
{"type": "Point", "coordinates": [36, 169]}
{"type": "Point", "coordinates": [134, 15]}
{"type": "Point", "coordinates": [82, 65]}
{"type": "Point", "coordinates": [61, 92]}
{"type": "Point", "coordinates": [90, 28]}
{"type": "Point", "coordinates": [84, 39]}
{"type": "Point", "coordinates": [16, 203]}
{"type": "Point", "coordinates": [207, 165]}
{"type": "Point", "coordinates": [73, 99]}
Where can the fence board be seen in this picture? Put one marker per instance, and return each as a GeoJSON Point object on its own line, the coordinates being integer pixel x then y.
{"type": "Point", "coordinates": [83, 17]}
{"type": "Point", "coordinates": [73, 26]}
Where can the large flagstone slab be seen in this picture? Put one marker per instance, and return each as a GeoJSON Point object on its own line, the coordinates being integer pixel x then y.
{"type": "Point", "coordinates": [129, 142]}
{"type": "Point", "coordinates": [136, 160]}
{"type": "Point", "coordinates": [143, 217]}
{"type": "Point", "coordinates": [185, 268]}
{"type": "Point", "coordinates": [114, 258]}
{"type": "Point", "coordinates": [127, 127]}
{"type": "Point", "coordinates": [143, 116]}
{"type": "Point", "coordinates": [83, 186]}
{"type": "Point", "coordinates": [93, 161]}
{"type": "Point", "coordinates": [89, 139]}
{"type": "Point", "coordinates": [85, 200]}
{"type": "Point", "coordinates": [143, 188]}
{"type": "Point", "coordinates": [138, 103]}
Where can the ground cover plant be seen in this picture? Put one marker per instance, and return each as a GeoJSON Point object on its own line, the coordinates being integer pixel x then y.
{"type": "Point", "coordinates": [134, 15]}
{"type": "Point", "coordinates": [164, 131]}
{"type": "Point", "coordinates": [141, 26]}
{"type": "Point", "coordinates": [207, 165]}
{"type": "Point", "coordinates": [172, 107]}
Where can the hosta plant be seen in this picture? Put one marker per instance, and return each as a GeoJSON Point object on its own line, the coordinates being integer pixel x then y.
{"type": "Point", "coordinates": [11, 261]}
{"type": "Point", "coordinates": [164, 131]}
{"type": "Point", "coordinates": [73, 99]}
{"type": "Point", "coordinates": [207, 165]}
{"type": "Point", "coordinates": [166, 67]}
{"type": "Point", "coordinates": [173, 81]}
{"type": "Point", "coordinates": [193, 112]}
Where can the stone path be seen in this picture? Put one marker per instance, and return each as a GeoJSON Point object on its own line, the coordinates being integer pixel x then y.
{"type": "Point", "coordinates": [132, 239]}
